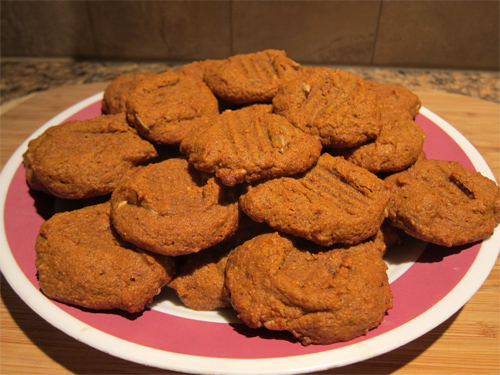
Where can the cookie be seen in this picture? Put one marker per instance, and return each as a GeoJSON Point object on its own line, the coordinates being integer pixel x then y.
{"type": "Point", "coordinates": [249, 144]}
{"type": "Point", "coordinates": [199, 281]}
{"type": "Point", "coordinates": [334, 202]}
{"type": "Point", "coordinates": [443, 203]}
{"type": "Point", "coordinates": [82, 261]}
{"type": "Point", "coordinates": [161, 108]}
{"type": "Point", "coordinates": [117, 92]}
{"type": "Point", "coordinates": [171, 208]}
{"type": "Point", "coordinates": [198, 69]}
{"type": "Point", "coordinates": [398, 146]}
{"type": "Point", "coordinates": [85, 159]}
{"type": "Point", "coordinates": [397, 96]}
{"type": "Point", "coordinates": [320, 295]}
{"type": "Point", "coordinates": [331, 103]}
{"type": "Point", "coordinates": [250, 78]}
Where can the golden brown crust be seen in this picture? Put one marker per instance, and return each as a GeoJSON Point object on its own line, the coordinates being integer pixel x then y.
{"type": "Point", "coordinates": [171, 208]}
{"type": "Point", "coordinates": [82, 261]}
{"type": "Point", "coordinates": [250, 78]}
{"type": "Point", "coordinates": [249, 144]}
{"type": "Point", "coordinates": [161, 108]}
{"type": "Point", "coordinates": [320, 295]}
{"type": "Point", "coordinates": [84, 159]}
{"type": "Point", "coordinates": [117, 92]}
{"type": "Point", "coordinates": [444, 203]}
{"type": "Point", "coordinates": [331, 103]}
{"type": "Point", "coordinates": [333, 202]}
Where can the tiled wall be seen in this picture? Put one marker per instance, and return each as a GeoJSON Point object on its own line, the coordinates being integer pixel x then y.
{"type": "Point", "coordinates": [444, 34]}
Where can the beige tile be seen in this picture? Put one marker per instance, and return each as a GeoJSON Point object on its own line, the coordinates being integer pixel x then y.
{"type": "Point", "coordinates": [167, 30]}
{"type": "Point", "coordinates": [324, 32]}
{"type": "Point", "coordinates": [46, 29]}
{"type": "Point", "coordinates": [447, 34]}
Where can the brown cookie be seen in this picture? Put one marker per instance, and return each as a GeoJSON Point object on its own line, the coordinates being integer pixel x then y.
{"type": "Point", "coordinates": [84, 159]}
{"type": "Point", "coordinates": [334, 202]}
{"type": "Point", "coordinates": [250, 78]}
{"type": "Point", "coordinates": [198, 69]}
{"type": "Point", "coordinates": [320, 295]}
{"type": "Point", "coordinates": [444, 203]}
{"type": "Point", "coordinates": [161, 108]}
{"type": "Point", "coordinates": [117, 92]}
{"type": "Point", "coordinates": [398, 146]}
{"type": "Point", "coordinates": [199, 282]}
{"type": "Point", "coordinates": [82, 261]}
{"type": "Point", "coordinates": [249, 144]}
{"type": "Point", "coordinates": [331, 103]}
{"type": "Point", "coordinates": [397, 96]}
{"type": "Point", "coordinates": [171, 208]}
{"type": "Point", "coordinates": [389, 236]}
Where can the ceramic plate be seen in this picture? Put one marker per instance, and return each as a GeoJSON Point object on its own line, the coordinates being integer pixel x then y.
{"type": "Point", "coordinates": [429, 284]}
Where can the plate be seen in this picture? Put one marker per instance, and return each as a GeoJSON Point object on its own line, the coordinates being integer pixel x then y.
{"type": "Point", "coordinates": [429, 284]}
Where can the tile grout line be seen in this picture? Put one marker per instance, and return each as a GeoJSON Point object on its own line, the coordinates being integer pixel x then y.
{"type": "Point", "coordinates": [379, 16]}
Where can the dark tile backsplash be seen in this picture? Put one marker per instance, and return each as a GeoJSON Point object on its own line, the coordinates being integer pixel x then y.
{"type": "Point", "coordinates": [428, 34]}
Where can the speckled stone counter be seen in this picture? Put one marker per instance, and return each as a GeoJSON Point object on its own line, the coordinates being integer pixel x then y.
{"type": "Point", "coordinates": [20, 77]}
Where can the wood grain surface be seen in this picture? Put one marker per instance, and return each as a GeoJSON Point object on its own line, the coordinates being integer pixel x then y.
{"type": "Point", "coordinates": [466, 343]}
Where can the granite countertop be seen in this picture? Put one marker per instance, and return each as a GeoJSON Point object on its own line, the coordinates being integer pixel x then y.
{"type": "Point", "coordinates": [21, 77]}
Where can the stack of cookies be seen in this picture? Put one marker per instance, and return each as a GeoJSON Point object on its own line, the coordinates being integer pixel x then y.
{"type": "Point", "coordinates": [251, 183]}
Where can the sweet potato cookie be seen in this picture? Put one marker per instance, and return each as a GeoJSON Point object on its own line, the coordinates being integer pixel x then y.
{"type": "Point", "coordinates": [400, 141]}
{"type": "Point", "coordinates": [250, 78]}
{"type": "Point", "coordinates": [84, 159]}
{"type": "Point", "coordinates": [331, 103]}
{"type": "Point", "coordinates": [249, 144]}
{"type": "Point", "coordinates": [321, 296]}
{"type": "Point", "coordinates": [334, 202]}
{"type": "Point", "coordinates": [161, 108]}
{"type": "Point", "coordinates": [82, 261]}
{"type": "Point", "coordinates": [117, 92]}
{"type": "Point", "coordinates": [444, 203]}
{"type": "Point", "coordinates": [171, 208]}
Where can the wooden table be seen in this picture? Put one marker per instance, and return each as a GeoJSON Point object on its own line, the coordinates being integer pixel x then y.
{"type": "Point", "coordinates": [466, 343]}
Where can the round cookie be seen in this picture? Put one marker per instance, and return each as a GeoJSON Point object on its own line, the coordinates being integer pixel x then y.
{"type": "Point", "coordinates": [161, 108]}
{"type": "Point", "coordinates": [398, 146]}
{"type": "Point", "coordinates": [320, 295]}
{"type": "Point", "coordinates": [117, 92]}
{"type": "Point", "coordinates": [249, 144]}
{"type": "Point", "coordinates": [334, 202]}
{"type": "Point", "coordinates": [338, 106]}
{"type": "Point", "coordinates": [85, 159]}
{"type": "Point", "coordinates": [250, 78]}
{"type": "Point", "coordinates": [171, 208]}
{"type": "Point", "coordinates": [443, 203]}
{"type": "Point", "coordinates": [82, 261]}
